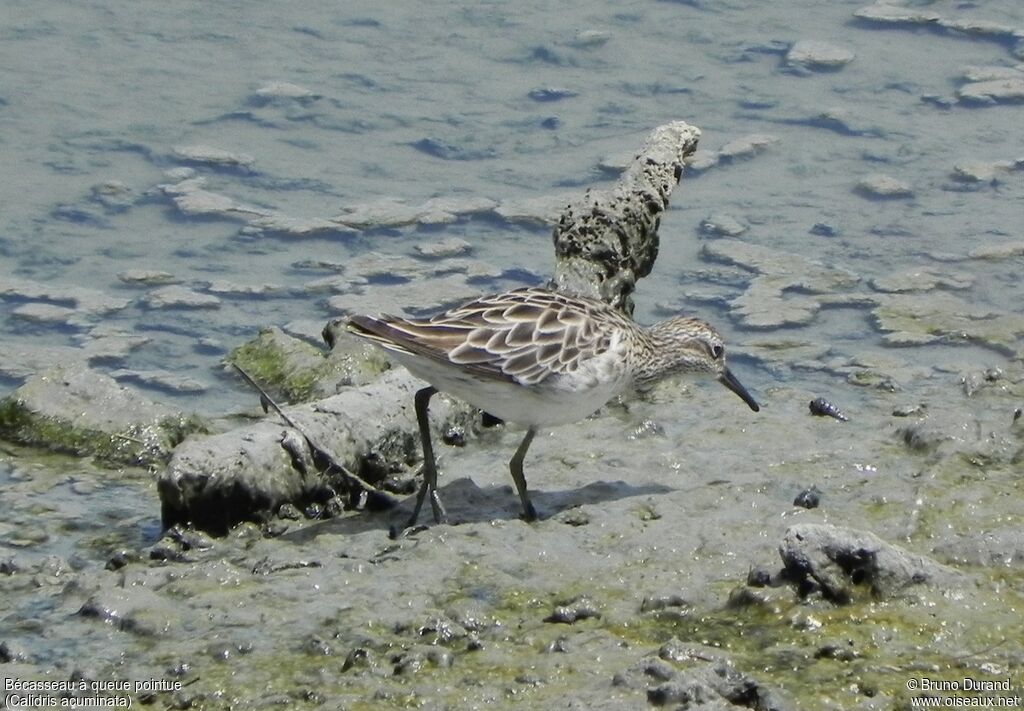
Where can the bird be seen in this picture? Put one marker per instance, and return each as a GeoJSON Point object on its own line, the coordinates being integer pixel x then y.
{"type": "Point", "coordinates": [536, 357]}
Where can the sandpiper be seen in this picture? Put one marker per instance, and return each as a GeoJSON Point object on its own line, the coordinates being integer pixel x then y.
{"type": "Point", "coordinates": [537, 358]}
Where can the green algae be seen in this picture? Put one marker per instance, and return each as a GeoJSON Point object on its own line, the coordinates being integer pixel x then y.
{"type": "Point", "coordinates": [300, 372]}
{"type": "Point", "coordinates": [137, 445]}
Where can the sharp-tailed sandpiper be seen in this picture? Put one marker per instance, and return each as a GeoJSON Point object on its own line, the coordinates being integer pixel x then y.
{"type": "Point", "coordinates": [538, 358]}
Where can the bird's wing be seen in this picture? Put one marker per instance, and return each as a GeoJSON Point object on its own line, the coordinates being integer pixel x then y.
{"type": "Point", "coordinates": [523, 336]}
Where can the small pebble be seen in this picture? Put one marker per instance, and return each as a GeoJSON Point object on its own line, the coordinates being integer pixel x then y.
{"type": "Point", "coordinates": [580, 609]}
{"type": "Point", "coordinates": [759, 578]}
{"type": "Point", "coordinates": [884, 186]}
{"type": "Point", "coordinates": [910, 410]}
{"type": "Point", "coordinates": [822, 229]}
{"type": "Point", "coordinates": [808, 498]}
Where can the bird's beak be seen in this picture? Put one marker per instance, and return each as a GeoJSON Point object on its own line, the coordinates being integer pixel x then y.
{"type": "Point", "coordinates": [729, 380]}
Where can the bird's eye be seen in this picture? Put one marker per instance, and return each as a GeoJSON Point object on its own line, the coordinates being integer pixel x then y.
{"type": "Point", "coordinates": [717, 351]}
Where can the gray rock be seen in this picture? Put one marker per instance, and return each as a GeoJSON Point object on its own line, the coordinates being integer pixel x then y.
{"type": "Point", "coordinates": [43, 313]}
{"type": "Point", "coordinates": [884, 12]}
{"type": "Point", "coordinates": [545, 209]}
{"type": "Point", "coordinates": [985, 172]}
{"type": "Point", "coordinates": [883, 186]}
{"type": "Point", "coordinates": [916, 318]}
{"type": "Point", "coordinates": [722, 225]}
{"type": "Point", "coordinates": [747, 146]}
{"type": "Point", "coordinates": [393, 212]}
{"type": "Point", "coordinates": [713, 686]}
{"type": "Point", "coordinates": [995, 91]}
{"type": "Point", "coordinates": [162, 379]}
{"type": "Point", "coordinates": [180, 297]}
{"type": "Point", "coordinates": [451, 247]}
{"type": "Point", "coordinates": [769, 301]}
{"type": "Point", "coordinates": [920, 280]}
{"type": "Point", "coordinates": [701, 160]}
{"type": "Point", "coordinates": [88, 302]}
{"type": "Point", "coordinates": [76, 410]}
{"type": "Point", "coordinates": [842, 560]}
{"type": "Point", "coordinates": [210, 155]}
{"type": "Point", "coordinates": [407, 298]}
{"type": "Point", "coordinates": [291, 226]}
{"type": "Point", "coordinates": [998, 252]}
{"type": "Point", "coordinates": [283, 93]}
{"type": "Point", "coordinates": [217, 481]}
{"type": "Point", "coordinates": [133, 608]}
{"type": "Point", "coordinates": [147, 277]}
{"type": "Point", "coordinates": [813, 54]}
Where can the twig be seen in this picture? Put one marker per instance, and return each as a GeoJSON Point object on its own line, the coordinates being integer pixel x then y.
{"type": "Point", "coordinates": [268, 403]}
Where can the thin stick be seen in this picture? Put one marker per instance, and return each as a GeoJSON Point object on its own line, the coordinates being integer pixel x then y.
{"type": "Point", "coordinates": [266, 401]}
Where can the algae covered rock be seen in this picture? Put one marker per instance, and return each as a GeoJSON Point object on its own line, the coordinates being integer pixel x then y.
{"type": "Point", "coordinates": [75, 410]}
{"type": "Point", "coordinates": [841, 560]}
{"type": "Point", "coordinates": [299, 371]}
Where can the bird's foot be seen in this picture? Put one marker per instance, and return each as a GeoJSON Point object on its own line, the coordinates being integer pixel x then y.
{"type": "Point", "coordinates": [529, 513]}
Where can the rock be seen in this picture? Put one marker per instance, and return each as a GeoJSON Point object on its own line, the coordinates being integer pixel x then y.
{"type": "Point", "coordinates": [162, 379]}
{"type": "Point", "coordinates": [75, 410]}
{"type": "Point", "coordinates": [896, 14]}
{"type": "Point", "coordinates": [883, 186]}
{"type": "Point", "coordinates": [590, 39]}
{"type": "Point", "coordinates": [218, 481]}
{"type": "Point", "coordinates": [87, 302]}
{"type": "Point", "coordinates": [768, 301]}
{"type": "Point", "coordinates": [996, 91]}
{"type": "Point", "coordinates": [228, 288]}
{"type": "Point", "coordinates": [998, 252]}
{"type": "Point", "coordinates": [746, 146]}
{"type": "Point", "coordinates": [548, 93]}
{"type": "Point", "coordinates": [920, 280]}
{"type": "Point", "coordinates": [146, 277]}
{"type": "Point", "coordinates": [714, 685]}
{"type": "Point", "coordinates": [579, 609]}
{"type": "Point", "coordinates": [722, 225]}
{"type": "Point", "coordinates": [843, 560]}
{"type": "Point", "coordinates": [764, 305]}
{"type": "Point", "coordinates": [43, 313]}
{"type": "Point", "coordinates": [545, 209]}
{"type": "Point", "coordinates": [114, 195]}
{"type": "Point", "coordinates": [996, 549]}
{"type": "Point", "coordinates": [812, 54]}
{"type": "Point", "coordinates": [808, 498]}
{"type": "Point", "coordinates": [451, 247]}
{"type": "Point", "coordinates": [282, 93]}
{"type": "Point", "coordinates": [192, 198]}
{"type": "Point", "coordinates": [446, 150]}
{"type": "Point", "coordinates": [180, 297]}
{"type": "Point", "coordinates": [217, 157]}
{"type": "Point", "coordinates": [134, 609]}
{"type": "Point", "coordinates": [392, 212]}
{"type": "Point", "coordinates": [280, 224]}
{"type": "Point", "coordinates": [293, 369]}
{"type": "Point", "coordinates": [917, 318]}
{"type": "Point", "coordinates": [701, 160]}
{"type": "Point", "coordinates": [985, 172]}
{"type": "Point", "coordinates": [406, 298]}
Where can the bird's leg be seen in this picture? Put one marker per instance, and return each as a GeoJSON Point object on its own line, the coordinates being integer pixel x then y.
{"type": "Point", "coordinates": [429, 485]}
{"type": "Point", "coordinates": [515, 466]}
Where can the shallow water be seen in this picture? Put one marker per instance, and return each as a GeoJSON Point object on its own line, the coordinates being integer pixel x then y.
{"type": "Point", "coordinates": [409, 102]}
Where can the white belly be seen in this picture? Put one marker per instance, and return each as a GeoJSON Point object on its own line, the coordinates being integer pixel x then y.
{"type": "Point", "coordinates": [558, 400]}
